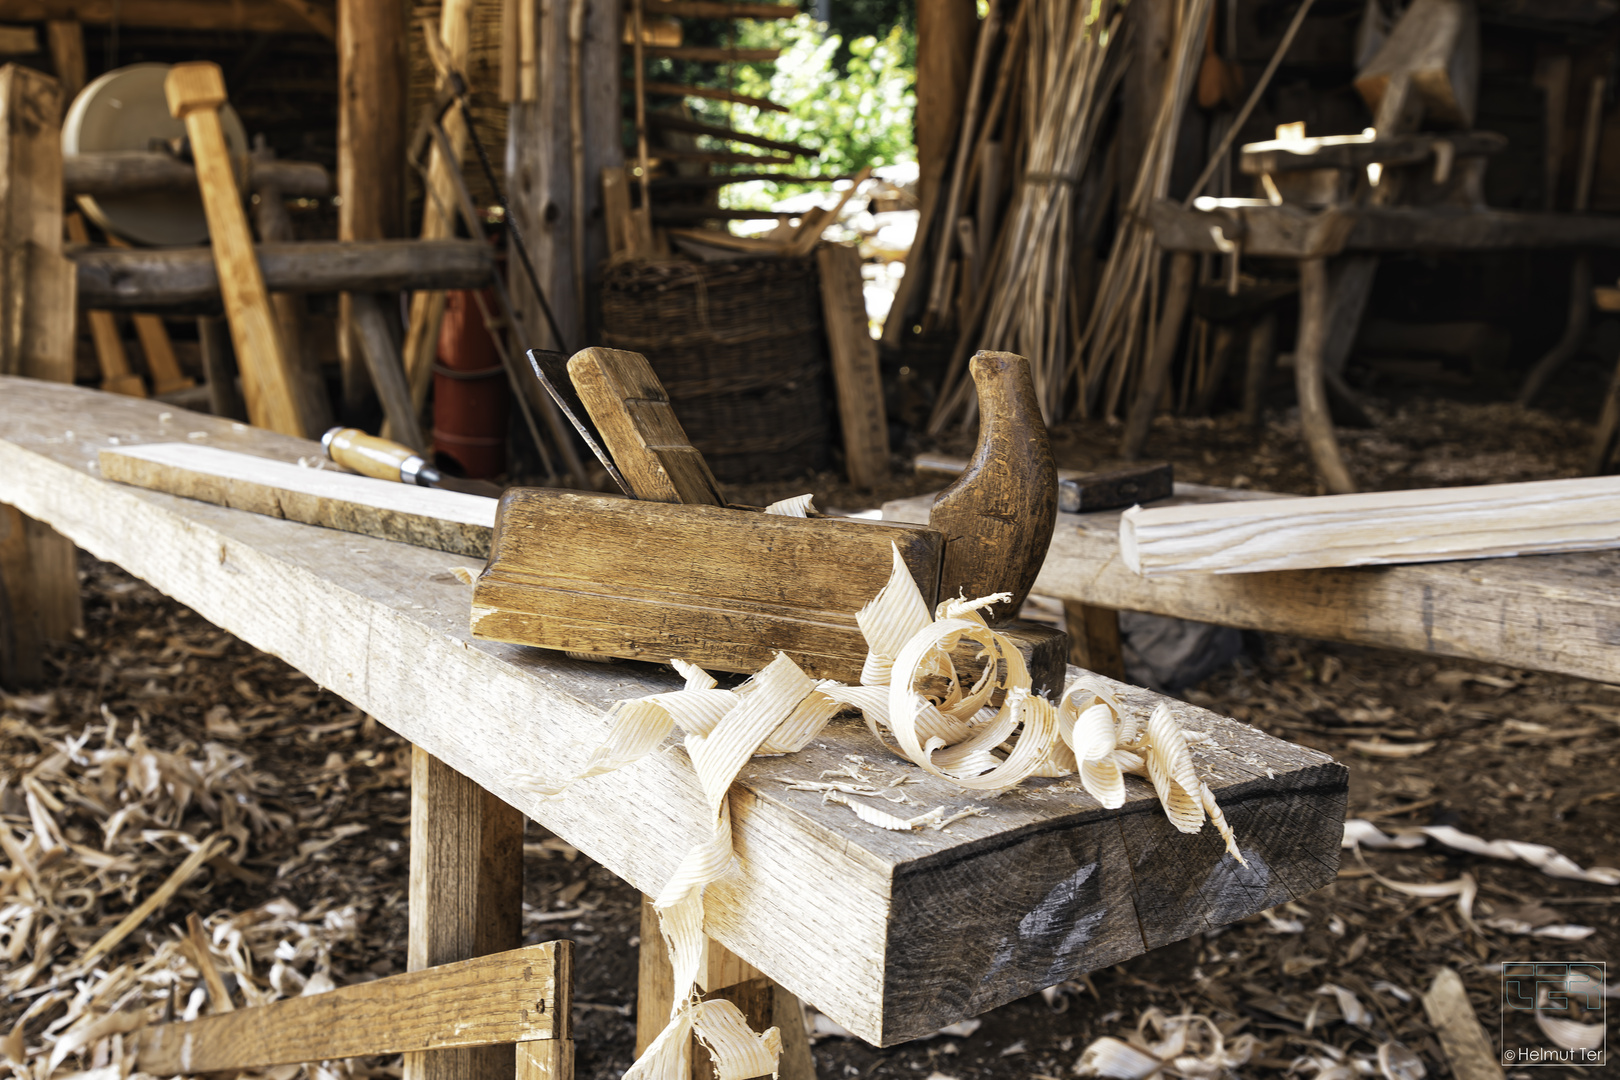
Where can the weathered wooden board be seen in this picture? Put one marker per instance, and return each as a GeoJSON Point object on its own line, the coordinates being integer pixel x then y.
{"type": "Point", "coordinates": [1546, 612]}
{"type": "Point", "coordinates": [890, 934]}
{"type": "Point", "coordinates": [724, 588]}
{"type": "Point", "coordinates": [521, 995]}
{"type": "Point", "coordinates": [426, 517]}
{"type": "Point", "coordinates": [1375, 528]}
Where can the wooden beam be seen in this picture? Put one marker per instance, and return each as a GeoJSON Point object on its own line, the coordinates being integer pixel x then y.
{"type": "Point", "coordinates": [870, 949]}
{"type": "Point", "coordinates": [161, 363]}
{"type": "Point", "coordinates": [116, 376]}
{"type": "Point", "coordinates": [66, 39]}
{"type": "Point", "coordinates": [39, 583]}
{"type": "Point", "coordinates": [720, 9]}
{"type": "Point", "coordinates": [678, 90]}
{"type": "Point", "coordinates": [861, 411]}
{"type": "Point", "coordinates": [319, 18]}
{"type": "Point", "coordinates": [158, 278]}
{"type": "Point", "coordinates": [1358, 151]}
{"type": "Point", "coordinates": [466, 900]}
{"type": "Point", "coordinates": [712, 54]}
{"type": "Point", "coordinates": [426, 517]}
{"type": "Point", "coordinates": [516, 996]}
{"type": "Point", "coordinates": [219, 369]}
{"type": "Point", "coordinates": [120, 172]}
{"type": "Point", "coordinates": [946, 33]}
{"type": "Point", "coordinates": [670, 122]}
{"type": "Point", "coordinates": [1094, 638]}
{"type": "Point", "coordinates": [195, 92]}
{"type": "Point", "coordinates": [372, 84]}
{"type": "Point", "coordinates": [275, 226]}
{"type": "Point", "coordinates": [258, 16]}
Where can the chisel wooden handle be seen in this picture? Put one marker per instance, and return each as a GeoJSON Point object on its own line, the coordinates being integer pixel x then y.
{"type": "Point", "coordinates": [371, 456]}
{"type": "Point", "coordinates": [998, 516]}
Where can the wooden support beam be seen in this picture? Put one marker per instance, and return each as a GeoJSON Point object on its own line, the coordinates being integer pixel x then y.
{"type": "Point", "coordinates": [195, 92]}
{"type": "Point", "coordinates": [678, 90]}
{"type": "Point", "coordinates": [720, 9]}
{"type": "Point", "coordinates": [116, 376]}
{"type": "Point", "coordinates": [372, 84]}
{"type": "Point", "coordinates": [257, 16]}
{"type": "Point", "coordinates": [374, 330]}
{"type": "Point", "coordinates": [120, 172]}
{"type": "Point", "coordinates": [319, 18]}
{"type": "Point", "coordinates": [161, 278]}
{"type": "Point", "coordinates": [66, 41]}
{"type": "Point", "coordinates": [466, 898]}
{"type": "Point", "coordinates": [516, 996]}
{"type": "Point", "coordinates": [274, 225]}
{"type": "Point", "coordinates": [161, 363]}
{"type": "Point", "coordinates": [671, 122]}
{"type": "Point", "coordinates": [39, 583]}
{"type": "Point", "coordinates": [219, 369]}
{"type": "Point", "coordinates": [870, 951]}
{"type": "Point", "coordinates": [946, 33]}
{"type": "Point", "coordinates": [861, 411]}
{"type": "Point", "coordinates": [713, 54]}
{"type": "Point", "coordinates": [1094, 638]}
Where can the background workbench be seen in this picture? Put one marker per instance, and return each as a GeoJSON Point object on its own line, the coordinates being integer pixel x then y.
{"type": "Point", "coordinates": [891, 935]}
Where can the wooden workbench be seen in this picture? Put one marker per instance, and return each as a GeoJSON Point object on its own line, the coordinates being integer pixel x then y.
{"type": "Point", "coordinates": [890, 934]}
{"type": "Point", "coordinates": [1547, 612]}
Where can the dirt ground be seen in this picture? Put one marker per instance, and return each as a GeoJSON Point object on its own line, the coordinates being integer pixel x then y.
{"type": "Point", "coordinates": [156, 709]}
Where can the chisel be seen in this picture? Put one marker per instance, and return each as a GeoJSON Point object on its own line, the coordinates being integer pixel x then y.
{"type": "Point", "coordinates": [371, 456]}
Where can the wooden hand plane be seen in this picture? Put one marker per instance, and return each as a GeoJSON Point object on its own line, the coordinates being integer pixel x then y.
{"type": "Point", "coordinates": [677, 573]}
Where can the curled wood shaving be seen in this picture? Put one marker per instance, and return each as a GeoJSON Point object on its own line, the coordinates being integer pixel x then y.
{"type": "Point", "coordinates": [882, 818]}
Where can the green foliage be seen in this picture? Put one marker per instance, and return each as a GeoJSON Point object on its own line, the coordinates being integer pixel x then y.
{"type": "Point", "coordinates": [855, 117]}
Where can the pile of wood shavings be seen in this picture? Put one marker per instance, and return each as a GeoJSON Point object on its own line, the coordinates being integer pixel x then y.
{"type": "Point", "coordinates": [139, 784]}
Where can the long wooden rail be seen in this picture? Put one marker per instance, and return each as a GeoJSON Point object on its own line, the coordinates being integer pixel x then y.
{"type": "Point", "coordinates": [890, 934]}
{"type": "Point", "coordinates": [1547, 612]}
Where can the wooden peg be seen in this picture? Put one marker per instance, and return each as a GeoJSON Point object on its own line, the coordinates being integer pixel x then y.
{"type": "Point", "coordinates": [195, 92]}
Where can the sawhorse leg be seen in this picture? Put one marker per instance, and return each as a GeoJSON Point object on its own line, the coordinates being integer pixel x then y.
{"type": "Point", "coordinates": [1094, 639]}
{"type": "Point", "coordinates": [466, 900]}
{"type": "Point", "coordinates": [39, 595]}
{"type": "Point", "coordinates": [725, 975]}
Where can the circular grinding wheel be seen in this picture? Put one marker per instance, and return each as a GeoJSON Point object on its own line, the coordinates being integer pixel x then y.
{"type": "Point", "coordinates": [126, 110]}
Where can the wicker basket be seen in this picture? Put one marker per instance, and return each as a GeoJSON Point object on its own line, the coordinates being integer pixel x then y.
{"type": "Point", "coordinates": [741, 351]}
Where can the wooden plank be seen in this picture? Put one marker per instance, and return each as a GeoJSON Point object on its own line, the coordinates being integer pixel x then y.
{"type": "Point", "coordinates": [465, 899]}
{"type": "Point", "coordinates": [671, 122]}
{"type": "Point", "coordinates": [720, 9]}
{"type": "Point", "coordinates": [39, 595]}
{"type": "Point", "coordinates": [154, 278]}
{"type": "Point", "coordinates": [819, 901]}
{"type": "Point", "coordinates": [426, 517]}
{"type": "Point", "coordinates": [861, 412]}
{"type": "Point", "coordinates": [552, 1059]}
{"type": "Point", "coordinates": [655, 980]}
{"type": "Point", "coordinates": [712, 54]}
{"type": "Point", "coordinates": [195, 92]}
{"type": "Point", "coordinates": [1359, 151]}
{"type": "Point", "coordinates": [510, 997]}
{"type": "Point", "coordinates": [725, 588]}
{"type": "Point", "coordinates": [1467, 1047]}
{"type": "Point", "coordinates": [1094, 638]}
{"type": "Point", "coordinates": [629, 407]}
{"type": "Point", "coordinates": [372, 84]}
{"type": "Point", "coordinates": [1543, 612]}
{"type": "Point", "coordinates": [1375, 528]}
{"type": "Point", "coordinates": [259, 16]}
{"type": "Point", "coordinates": [714, 94]}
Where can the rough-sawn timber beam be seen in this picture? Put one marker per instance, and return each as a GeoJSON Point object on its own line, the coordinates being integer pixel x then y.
{"type": "Point", "coordinates": [148, 279]}
{"type": "Point", "coordinates": [260, 16]}
{"type": "Point", "coordinates": [891, 934]}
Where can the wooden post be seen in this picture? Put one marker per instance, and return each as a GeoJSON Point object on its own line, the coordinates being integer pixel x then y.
{"type": "Point", "coordinates": [275, 226]}
{"type": "Point", "coordinates": [1315, 314]}
{"type": "Point", "coordinates": [39, 584]}
{"type": "Point", "coordinates": [946, 30]}
{"type": "Point", "coordinates": [466, 896]}
{"type": "Point", "coordinates": [195, 92]}
{"type": "Point", "coordinates": [540, 186]}
{"type": "Point", "coordinates": [1094, 638]}
{"type": "Point", "coordinates": [372, 87]}
{"type": "Point", "coordinates": [861, 411]}
{"type": "Point", "coordinates": [66, 41]}
{"type": "Point", "coordinates": [438, 210]}
{"type": "Point", "coordinates": [219, 370]}
{"type": "Point", "coordinates": [1156, 374]}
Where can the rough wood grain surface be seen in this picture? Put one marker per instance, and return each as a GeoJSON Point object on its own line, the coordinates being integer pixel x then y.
{"type": "Point", "coordinates": [1467, 1047]}
{"type": "Point", "coordinates": [639, 428]}
{"type": "Point", "coordinates": [187, 277]}
{"type": "Point", "coordinates": [997, 518]}
{"type": "Point", "coordinates": [721, 587]}
{"type": "Point", "coordinates": [465, 898]}
{"type": "Point", "coordinates": [195, 92]}
{"type": "Point", "coordinates": [116, 376]}
{"type": "Point", "coordinates": [260, 16]}
{"type": "Point", "coordinates": [861, 414]}
{"type": "Point", "coordinates": [426, 517]}
{"type": "Point", "coordinates": [1374, 528]}
{"type": "Point", "coordinates": [120, 172]}
{"type": "Point", "coordinates": [1545, 612]}
{"type": "Point", "coordinates": [37, 328]}
{"type": "Point", "coordinates": [819, 901]}
{"type": "Point", "coordinates": [511, 997]}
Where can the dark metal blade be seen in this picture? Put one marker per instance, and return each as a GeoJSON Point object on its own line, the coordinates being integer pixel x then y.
{"type": "Point", "coordinates": [551, 368]}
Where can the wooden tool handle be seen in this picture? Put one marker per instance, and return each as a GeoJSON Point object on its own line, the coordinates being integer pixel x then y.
{"type": "Point", "coordinates": [998, 516]}
{"type": "Point", "coordinates": [370, 456]}
{"type": "Point", "coordinates": [633, 415]}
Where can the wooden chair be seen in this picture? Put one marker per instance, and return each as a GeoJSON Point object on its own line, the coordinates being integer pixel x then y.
{"type": "Point", "coordinates": [523, 996]}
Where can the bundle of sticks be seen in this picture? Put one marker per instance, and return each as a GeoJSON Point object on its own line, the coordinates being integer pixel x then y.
{"type": "Point", "coordinates": [1025, 279]}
